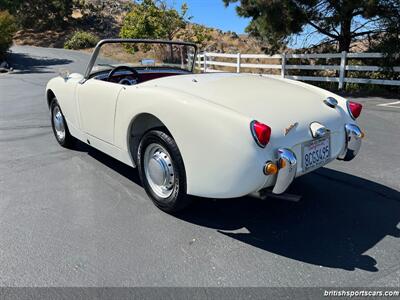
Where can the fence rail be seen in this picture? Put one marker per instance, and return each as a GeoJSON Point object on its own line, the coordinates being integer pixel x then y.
{"type": "Point", "coordinates": [206, 61]}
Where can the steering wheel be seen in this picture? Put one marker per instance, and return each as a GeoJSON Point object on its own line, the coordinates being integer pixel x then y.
{"type": "Point", "coordinates": [123, 68]}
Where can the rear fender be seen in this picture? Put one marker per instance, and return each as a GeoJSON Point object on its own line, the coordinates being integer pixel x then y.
{"type": "Point", "coordinates": [220, 156]}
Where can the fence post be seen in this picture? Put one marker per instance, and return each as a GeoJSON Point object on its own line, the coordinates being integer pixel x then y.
{"type": "Point", "coordinates": [199, 62]}
{"type": "Point", "coordinates": [283, 69]}
{"type": "Point", "coordinates": [205, 62]}
{"type": "Point", "coordinates": [342, 72]}
{"type": "Point", "coordinates": [238, 63]}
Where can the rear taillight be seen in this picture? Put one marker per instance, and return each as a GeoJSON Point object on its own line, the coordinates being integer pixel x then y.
{"type": "Point", "coordinates": [354, 109]}
{"type": "Point", "coordinates": [261, 133]}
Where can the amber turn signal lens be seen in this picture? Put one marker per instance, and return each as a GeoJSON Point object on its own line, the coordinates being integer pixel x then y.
{"type": "Point", "coordinates": [270, 168]}
{"type": "Point", "coordinates": [282, 163]}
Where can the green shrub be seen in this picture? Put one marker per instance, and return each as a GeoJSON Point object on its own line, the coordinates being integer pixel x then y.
{"type": "Point", "coordinates": [81, 40]}
{"type": "Point", "coordinates": [7, 30]}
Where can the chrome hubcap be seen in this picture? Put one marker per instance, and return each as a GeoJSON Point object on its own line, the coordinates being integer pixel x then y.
{"type": "Point", "coordinates": [159, 170]}
{"type": "Point", "coordinates": [58, 121]}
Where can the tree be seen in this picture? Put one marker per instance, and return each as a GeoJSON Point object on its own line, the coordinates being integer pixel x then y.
{"type": "Point", "coordinates": [153, 19]}
{"type": "Point", "coordinates": [338, 21]}
{"type": "Point", "coordinates": [10, 5]}
{"type": "Point", "coordinates": [7, 30]}
{"type": "Point", "coordinates": [389, 42]}
{"type": "Point", "coordinates": [40, 14]}
{"type": "Point", "coordinates": [195, 33]}
{"type": "Point", "coordinates": [172, 20]}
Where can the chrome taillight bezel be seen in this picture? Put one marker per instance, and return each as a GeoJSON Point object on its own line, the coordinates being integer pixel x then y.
{"type": "Point", "coordinates": [349, 110]}
{"type": "Point", "coordinates": [254, 134]}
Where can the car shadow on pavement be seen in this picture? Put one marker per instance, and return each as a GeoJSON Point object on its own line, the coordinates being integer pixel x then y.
{"type": "Point", "coordinates": [339, 218]}
{"type": "Point", "coordinates": [24, 63]}
{"type": "Point", "coordinates": [119, 167]}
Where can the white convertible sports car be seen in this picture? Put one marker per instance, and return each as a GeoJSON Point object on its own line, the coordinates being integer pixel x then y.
{"type": "Point", "coordinates": [217, 135]}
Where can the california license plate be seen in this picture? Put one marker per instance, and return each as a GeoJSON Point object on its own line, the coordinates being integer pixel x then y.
{"type": "Point", "coordinates": [316, 153]}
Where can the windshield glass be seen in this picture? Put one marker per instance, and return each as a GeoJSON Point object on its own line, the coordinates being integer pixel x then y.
{"type": "Point", "coordinates": [144, 55]}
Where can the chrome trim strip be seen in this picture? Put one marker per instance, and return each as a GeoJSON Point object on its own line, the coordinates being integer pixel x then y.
{"type": "Point", "coordinates": [253, 133]}
{"type": "Point", "coordinates": [349, 110]}
{"type": "Point", "coordinates": [286, 173]}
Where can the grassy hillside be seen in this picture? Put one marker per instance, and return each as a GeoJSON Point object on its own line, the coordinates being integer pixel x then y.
{"type": "Point", "coordinates": [104, 18]}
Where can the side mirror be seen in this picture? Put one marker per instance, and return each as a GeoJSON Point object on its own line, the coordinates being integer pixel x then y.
{"type": "Point", "coordinates": [64, 73]}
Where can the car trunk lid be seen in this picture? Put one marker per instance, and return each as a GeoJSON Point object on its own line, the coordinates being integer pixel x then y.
{"type": "Point", "coordinates": [283, 105]}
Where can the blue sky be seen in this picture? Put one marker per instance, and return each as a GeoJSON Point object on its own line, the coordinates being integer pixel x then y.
{"type": "Point", "coordinates": [213, 13]}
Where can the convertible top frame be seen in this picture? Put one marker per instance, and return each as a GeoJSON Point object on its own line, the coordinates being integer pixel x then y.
{"type": "Point", "coordinates": [142, 41]}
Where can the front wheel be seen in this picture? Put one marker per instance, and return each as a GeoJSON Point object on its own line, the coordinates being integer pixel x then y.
{"type": "Point", "coordinates": [162, 171]}
{"type": "Point", "coordinates": [60, 128]}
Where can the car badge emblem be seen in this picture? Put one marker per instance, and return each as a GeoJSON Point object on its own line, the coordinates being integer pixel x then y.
{"type": "Point", "coordinates": [291, 126]}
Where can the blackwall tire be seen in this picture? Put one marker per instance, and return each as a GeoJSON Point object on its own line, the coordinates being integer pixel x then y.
{"type": "Point", "coordinates": [162, 171]}
{"type": "Point", "coordinates": [59, 125]}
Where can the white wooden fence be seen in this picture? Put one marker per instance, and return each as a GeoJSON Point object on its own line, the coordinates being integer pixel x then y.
{"type": "Point", "coordinates": [207, 62]}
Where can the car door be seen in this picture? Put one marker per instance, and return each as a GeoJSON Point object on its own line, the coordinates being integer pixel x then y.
{"type": "Point", "coordinates": [96, 101]}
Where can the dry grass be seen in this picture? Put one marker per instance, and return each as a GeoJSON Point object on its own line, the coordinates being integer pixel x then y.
{"type": "Point", "coordinates": [48, 38]}
{"type": "Point", "coordinates": [112, 19]}
{"type": "Point", "coordinates": [226, 42]}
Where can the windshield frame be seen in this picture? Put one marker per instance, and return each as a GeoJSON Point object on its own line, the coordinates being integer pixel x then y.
{"type": "Point", "coordinates": [141, 41]}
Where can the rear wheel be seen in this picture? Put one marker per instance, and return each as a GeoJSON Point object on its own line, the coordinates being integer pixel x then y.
{"type": "Point", "coordinates": [162, 171]}
{"type": "Point", "coordinates": [60, 128]}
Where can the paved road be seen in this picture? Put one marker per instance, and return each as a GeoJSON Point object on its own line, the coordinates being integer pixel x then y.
{"type": "Point", "coordinates": [80, 218]}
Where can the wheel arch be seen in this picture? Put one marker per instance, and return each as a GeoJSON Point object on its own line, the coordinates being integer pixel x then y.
{"type": "Point", "coordinates": [206, 135]}
{"type": "Point", "coordinates": [138, 127]}
{"type": "Point", "coordinates": [49, 97]}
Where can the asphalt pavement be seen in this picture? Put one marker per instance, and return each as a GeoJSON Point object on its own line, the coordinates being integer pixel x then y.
{"type": "Point", "coordinates": [80, 218]}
